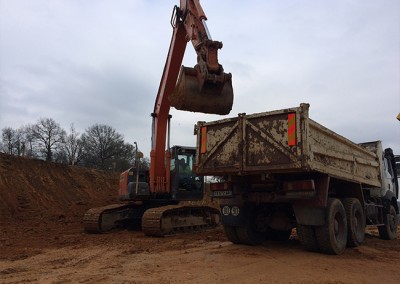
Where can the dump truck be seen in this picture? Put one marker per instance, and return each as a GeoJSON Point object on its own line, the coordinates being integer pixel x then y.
{"type": "Point", "coordinates": [279, 170]}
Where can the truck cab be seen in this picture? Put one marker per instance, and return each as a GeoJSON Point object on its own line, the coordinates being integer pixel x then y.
{"type": "Point", "coordinates": [397, 160]}
{"type": "Point", "coordinates": [388, 171]}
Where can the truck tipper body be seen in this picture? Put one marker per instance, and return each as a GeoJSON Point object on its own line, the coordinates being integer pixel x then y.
{"type": "Point", "coordinates": [281, 170]}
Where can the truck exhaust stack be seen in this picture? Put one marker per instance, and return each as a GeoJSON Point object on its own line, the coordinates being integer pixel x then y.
{"type": "Point", "coordinates": [193, 92]}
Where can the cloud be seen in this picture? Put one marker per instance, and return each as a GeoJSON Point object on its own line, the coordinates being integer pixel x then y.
{"type": "Point", "coordinates": [82, 63]}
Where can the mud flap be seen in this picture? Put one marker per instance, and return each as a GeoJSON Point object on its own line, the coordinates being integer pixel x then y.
{"type": "Point", "coordinates": [310, 216]}
{"type": "Point", "coordinates": [214, 96]}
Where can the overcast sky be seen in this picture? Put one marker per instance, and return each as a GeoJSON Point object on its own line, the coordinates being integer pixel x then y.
{"type": "Point", "coordinates": [87, 62]}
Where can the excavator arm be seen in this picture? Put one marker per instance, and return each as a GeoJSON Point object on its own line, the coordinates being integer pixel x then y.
{"type": "Point", "coordinates": [204, 88]}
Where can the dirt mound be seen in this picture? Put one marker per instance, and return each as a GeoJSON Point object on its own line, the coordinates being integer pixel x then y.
{"type": "Point", "coordinates": [43, 203]}
{"type": "Point", "coordinates": [36, 189]}
{"type": "Point", "coordinates": [42, 241]}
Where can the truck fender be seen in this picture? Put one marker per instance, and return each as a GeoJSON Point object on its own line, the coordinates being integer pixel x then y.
{"type": "Point", "coordinates": [390, 199]}
{"type": "Point", "coordinates": [310, 216]}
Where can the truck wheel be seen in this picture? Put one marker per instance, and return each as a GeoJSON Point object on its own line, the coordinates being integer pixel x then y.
{"type": "Point", "coordinates": [389, 230]}
{"type": "Point", "coordinates": [306, 235]}
{"type": "Point", "coordinates": [230, 232]}
{"type": "Point", "coordinates": [247, 233]}
{"type": "Point", "coordinates": [249, 236]}
{"type": "Point", "coordinates": [332, 236]}
{"type": "Point", "coordinates": [355, 222]}
{"type": "Point", "coordinates": [278, 235]}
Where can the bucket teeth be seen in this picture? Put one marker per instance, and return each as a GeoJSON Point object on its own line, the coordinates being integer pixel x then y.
{"type": "Point", "coordinates": [214, 96]}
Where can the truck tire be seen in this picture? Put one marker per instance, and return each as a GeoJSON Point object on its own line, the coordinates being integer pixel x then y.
{"type": "Point", "coordinates": [355, 222]}
{"type": "Point", "coordinates": [247, 233]}
{"type": "Point", "coordinates": [389, 230]}
{"type": "Point", "coordinates": [249, 236]}
{"type": "Point", "coordinates": [307, 238]}
{"type": "Point", "coordinates": [332, 236]}
{"type": "Point", "coordinates": [230, 232]}
{"type": "Point", "coordinates": [278, 235]}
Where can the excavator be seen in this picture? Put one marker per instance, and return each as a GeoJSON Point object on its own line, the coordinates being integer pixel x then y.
{"type": "Point", "coordinates": [151, 198]}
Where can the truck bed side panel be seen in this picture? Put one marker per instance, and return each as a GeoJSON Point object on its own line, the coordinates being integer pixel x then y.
{"type": "Point", "coordinates": [341, 158]}
{"type": "Point", "coordinates": [283, 141]}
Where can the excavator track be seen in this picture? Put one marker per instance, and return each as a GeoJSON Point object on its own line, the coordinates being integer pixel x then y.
{"type": "Point", "coordinates": [171, 219]}
{"type": "Point", "coordinates": [103, 219]}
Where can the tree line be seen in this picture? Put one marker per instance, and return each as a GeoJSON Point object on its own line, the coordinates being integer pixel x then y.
{"type": "Point", "coordinates": [99, 147]}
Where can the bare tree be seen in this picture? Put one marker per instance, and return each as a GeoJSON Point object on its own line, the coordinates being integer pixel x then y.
{"type": "Point", "coordinates": [104, 148]}
{"type": "Point", "coordinates": [18, 142]}
{"type": "Point", "coordinates": [8, 136]}
{"type": "Point", "coordinates": [30, 143]}
{"type": "Point", "coordinates": [99, 147]}
{"type": "Point", "coordinates": [49, 136]}
{"type": "Point", "coordinates": [73, 146]}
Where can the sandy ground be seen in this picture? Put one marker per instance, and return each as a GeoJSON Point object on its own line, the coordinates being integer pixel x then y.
{"type": "Point", "coordinates": [42, 241]}
{"type": "Point", "coordinates": [62, 253]}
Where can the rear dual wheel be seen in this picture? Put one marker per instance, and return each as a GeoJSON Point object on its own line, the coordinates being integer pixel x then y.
{"type": "Point", "coordinates": [245, 234]}
{"type": "Point", "coordinates": [248, 235]}
{"type": "Point", "coordinates": [278, 235]}
{"type": "Point", "coordinates": [230, 233]}
{"type": "Point", "coordinates": [332, 236]}
{"type": "Point", "coordinates": [355, 222]}
{"type": "Point", "coordinates": [307, 238]}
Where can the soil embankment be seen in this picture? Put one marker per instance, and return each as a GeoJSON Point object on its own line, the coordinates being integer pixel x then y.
{"type": "Point", "coordinates": [42, 241]}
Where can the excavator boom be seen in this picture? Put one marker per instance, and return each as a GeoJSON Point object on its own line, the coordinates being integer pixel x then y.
{"type": "Point", "coordinates": [204, 88]}
{"type": "Point", "coordinates": [206, 78]}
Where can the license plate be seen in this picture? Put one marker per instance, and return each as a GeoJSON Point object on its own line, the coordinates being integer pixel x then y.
{"type": "Point", "coordinates": [221, 193]}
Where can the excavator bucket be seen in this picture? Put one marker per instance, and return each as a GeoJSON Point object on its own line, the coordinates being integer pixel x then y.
{"type": "Point", "coordinates": [190, 94]}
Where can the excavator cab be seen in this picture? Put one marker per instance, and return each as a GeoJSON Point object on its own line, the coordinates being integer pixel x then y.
{"type": "Point", "coordinates": [185, 184]}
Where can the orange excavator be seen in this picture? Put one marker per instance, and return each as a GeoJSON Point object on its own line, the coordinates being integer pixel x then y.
{"type": "Point", "coordinates": [152, 197]}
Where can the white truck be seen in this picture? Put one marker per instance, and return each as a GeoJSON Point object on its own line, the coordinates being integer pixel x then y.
{"type": "Point", "coordinates": [281, 170]}
{"type": "Point", "coordinates": [397, 159]}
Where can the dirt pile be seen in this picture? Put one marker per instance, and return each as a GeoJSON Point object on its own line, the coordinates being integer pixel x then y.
{"type": "Point", "coordinates": [36, 189]}
{"type": "Point", "coordinates": [42, 241]}
{"type": "Point", "coordinates": [42, 205]}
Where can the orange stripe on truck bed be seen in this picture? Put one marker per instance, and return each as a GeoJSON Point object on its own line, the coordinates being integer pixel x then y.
{"type": "Point", "coordinates": [203, 149]}
{"type": "Point", "coordinates": [292, 129]}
